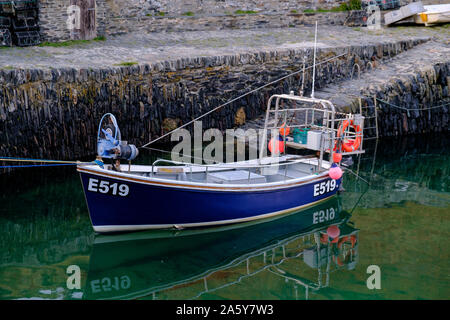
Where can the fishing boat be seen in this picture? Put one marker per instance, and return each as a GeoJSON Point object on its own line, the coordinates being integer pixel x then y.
{"type": "Point", "coordinates": [181, 195]}
{"type": "Point", "coordinates": [171, 194]}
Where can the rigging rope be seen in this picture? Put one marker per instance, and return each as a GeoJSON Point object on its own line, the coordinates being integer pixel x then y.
{"type": "Point", "coordinates": [62, 162]}
{"type": "Point", "coordinates": [273, 82]}
{"type": "Point", "coordinates": [237, 98]}
{"type": "Point", "coordinates": [166, 151]}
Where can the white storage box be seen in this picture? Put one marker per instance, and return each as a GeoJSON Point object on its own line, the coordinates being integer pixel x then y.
{"type": "Point", "coordinates": [314, 139]}
{"type": "Point", "coordinates": [310, 257]}
{"type": "Point", "coordinates": [235, 177]}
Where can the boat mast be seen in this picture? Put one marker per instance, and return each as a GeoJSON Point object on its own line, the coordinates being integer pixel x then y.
{"type": "Point", "coordinates": [303, 77]}
{"type": "Point", "coordinates": [314, 62]}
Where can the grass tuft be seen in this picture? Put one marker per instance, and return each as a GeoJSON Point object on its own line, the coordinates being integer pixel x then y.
{"type": "Point", "coordinates": [126, 64]}
{"type": "Point", "coordinates": [245, 12]}
{"type": "Point", "coordinates": [350, 5]}
{"type": "Point", "coordinates": [70, 43]}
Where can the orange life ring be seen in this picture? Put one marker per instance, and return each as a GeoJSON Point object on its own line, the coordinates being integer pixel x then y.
{"type": "Point", "coordinates": [352, 240]}
{"type": "Point", "coordinates": [341, 241]}
{"type": "Point", "coordinates": [350, 145]}
{"type": "Point", "coordinates": [338, 261]}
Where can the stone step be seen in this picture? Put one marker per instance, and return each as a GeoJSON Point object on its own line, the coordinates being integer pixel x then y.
{"type": "Point", "coordinates": [401, 67]}
{"type": "Point", "coordinates": [407, 81]}
{"type": "Point", "coordinates": [403, 75]}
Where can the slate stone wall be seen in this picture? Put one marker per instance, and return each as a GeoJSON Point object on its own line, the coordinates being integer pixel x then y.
{"type": "Point", "coordinates": [114, 17]}
{"type": "Point", "coordinates": [54, 114]}
{"type": "Point", "coordinates": [410, 104]}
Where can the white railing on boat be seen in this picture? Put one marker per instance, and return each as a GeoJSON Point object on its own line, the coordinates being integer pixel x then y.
{"type": "Point", "coordinates": [332, 121]}
{"type": "Point", "coordinates": [282, 162]}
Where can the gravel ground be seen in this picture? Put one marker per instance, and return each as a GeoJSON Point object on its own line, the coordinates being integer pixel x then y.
{"type": "Point", "coordinates": [154, 47]}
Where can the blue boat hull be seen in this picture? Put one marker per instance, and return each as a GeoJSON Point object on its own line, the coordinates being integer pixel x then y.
{"type": "Point", "coordinates": [152, 264]}
{"type": "Point", "coordinates": [130, 204]}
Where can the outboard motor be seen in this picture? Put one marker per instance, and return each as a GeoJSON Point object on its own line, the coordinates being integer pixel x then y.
{"type": "Point", "coordinates": [109, 142]}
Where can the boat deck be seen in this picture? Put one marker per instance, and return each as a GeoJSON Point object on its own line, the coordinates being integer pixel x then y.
{"type": "Point", "coordinates": [269, 170]}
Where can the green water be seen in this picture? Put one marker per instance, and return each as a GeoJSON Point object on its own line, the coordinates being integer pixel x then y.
{"type": "Point", "coordinates": [400, 224]}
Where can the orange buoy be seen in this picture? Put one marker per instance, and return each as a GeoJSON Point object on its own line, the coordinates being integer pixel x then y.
{"type": "Point", "coordinates": [276, 146]}
{"type": "Point", "coordinates": [333, 231]}
{"type": "Point", "coordinates": [284, 130]}
{"type": "Point", "coordinates": [338, 261]}
{"type": "Point", "coordinates": [337, 157]}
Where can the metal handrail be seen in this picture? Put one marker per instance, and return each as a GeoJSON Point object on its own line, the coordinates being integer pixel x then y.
{"type": "Point", "coordinates": [328, 126]}
{"type": "Point", "coordinates": [221, 165]}
{"type": "Point", "coordinates": [306, 109]}
{"type": "Point", "coordinates": [157, 161]}
{"type": "Point", "coordinates": [327, 105]}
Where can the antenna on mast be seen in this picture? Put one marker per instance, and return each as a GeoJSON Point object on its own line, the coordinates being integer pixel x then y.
{"type": "Point", "coordinates": [314, 63]}
{"type": "Point", "coordinates": [303, 76]}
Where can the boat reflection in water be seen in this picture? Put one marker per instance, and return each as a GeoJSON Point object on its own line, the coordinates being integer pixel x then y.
{"type": "Point", "coordinates": [186, 264]}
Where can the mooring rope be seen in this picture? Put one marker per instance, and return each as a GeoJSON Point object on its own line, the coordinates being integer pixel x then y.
{"type": "Point", "coordinates": [395, 106]}
{"type": "Point", "coordinates": [357, 175]}
{"type": "Point", "coordinates": [359, 199]}
{"type": "Point", "coordinates": [237, 98]}
{"type": "Point", "coordinates": [37, 165]}
{"type": "Point", "coordinates": [416, 109]}
{"type": "Point", "coordinates": [44, 162]}
{"type": "Point", "coordinates": [14, 159]}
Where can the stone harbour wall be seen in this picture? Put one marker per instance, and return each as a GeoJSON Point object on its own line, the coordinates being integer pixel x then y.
{"type": "Point", "coordinates": [115, 17]}
{"type": "Point", "coordinates": [54, 114]}
{"type": "Point", "coordinates": [134, 8]}
{"type": "Point", "coordinates": [54, 18]}
{"type": "Point", "coordinates": [119, 25]}
{"type": "Point", "coordinates": [404, 105]}
{"type": "Point", "coordinates": [195, 15]}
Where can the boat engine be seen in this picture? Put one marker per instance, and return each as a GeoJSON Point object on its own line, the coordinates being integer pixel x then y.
{"type": "Point", "coordinates": [109, 141]}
